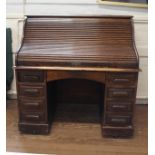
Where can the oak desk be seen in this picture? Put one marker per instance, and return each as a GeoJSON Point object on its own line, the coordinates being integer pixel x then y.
{"type": "Point", "coordinates": [98, 49]}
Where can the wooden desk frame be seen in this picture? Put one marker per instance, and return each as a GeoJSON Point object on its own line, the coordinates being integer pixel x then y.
{"type": "Point", "coordinates": [120, 76]}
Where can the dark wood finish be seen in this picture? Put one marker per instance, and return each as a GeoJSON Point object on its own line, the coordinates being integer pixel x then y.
{"type": "Point", "coordinates": [118, 120]}
{"type": "Point", "coordinates": [32, 117]}
{"type": "Point", "coordinates": [117, 93]}
{"type": "Point", "coordinates": [119, 106]}
{"type": "Point", "coordinates": [85, 41]}
{"type": "Point", "coordinates": [125, 79]}
{"type": "Point", "coordinates": [77, 59]}
{"type": "Point", "coordinates": [58, 75]}
{"type": "Point", "coordinates": [34, 128]}
{"type": "Point", "coordinates": [31, 91]}
{"type": "Point", "coordinates": [124, 132]}
{"type": "Point", "coordinates": [31, 104]}
{"type": "Point", "coordinates": [31, 76]}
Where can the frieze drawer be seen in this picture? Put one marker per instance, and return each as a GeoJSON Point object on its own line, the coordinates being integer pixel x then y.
{"type": "Point", "coordinates": [31, 76]}
{"type": "Point", "coordinates": [118, 79]}
{"type": "Point", "coordinates": [31, 91]}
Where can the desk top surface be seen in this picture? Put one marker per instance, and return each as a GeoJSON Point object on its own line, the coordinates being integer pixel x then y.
{"type": "Point", "coordinates": [101, 41]}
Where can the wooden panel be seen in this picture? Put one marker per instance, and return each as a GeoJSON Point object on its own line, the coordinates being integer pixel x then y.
{"type": "Point", "coordinates": [59, 75]}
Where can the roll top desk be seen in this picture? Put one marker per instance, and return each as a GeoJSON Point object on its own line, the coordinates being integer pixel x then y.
{"type": "Point", "coordinates": [94, 48]}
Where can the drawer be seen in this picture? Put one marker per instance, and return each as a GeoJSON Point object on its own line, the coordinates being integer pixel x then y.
{"type": "Point", "coordinates": [31, 91]}
{"type": "Point", "coordinates": [30, 76]}
{"type": "Point", "coordinates": [122, 79]}
{"type": "Point", "coordinates": [128, 93]}
{"type": "Point", "coordinates": [119, 106]}
{"type": "Point", "coordinates": [31, 105]}
{"type": "Point", "coordinates": [118, 120]}
{"type": "Point", "coordinates": [32, 117]}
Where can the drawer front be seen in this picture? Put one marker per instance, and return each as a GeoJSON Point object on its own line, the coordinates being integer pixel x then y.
{"type": "Point", "coordinates": [31, 105]}
{"type": "Point", "coordinates": [119, 106]}
{"type": "Point", "coordinates": [122, 79]}
{"type": "Point", "coordinates": [32, 117]}
{"type": "Point", "coordinates": [31, 91]}
{"type": "Point", "coordinates": [118, 120]}
{"type": "Point", "coordinates": [127, 93]}
{"type": "Point", "coordinates": [30, 76]}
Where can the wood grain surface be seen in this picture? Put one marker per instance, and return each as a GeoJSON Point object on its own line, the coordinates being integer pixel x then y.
{"type": "Point", "coordinates": [79, 41]}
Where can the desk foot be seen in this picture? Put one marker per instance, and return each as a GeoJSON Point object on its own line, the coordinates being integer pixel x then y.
{"type": "Point", "coordinates": [117, 132]}
{"type": "Point", "coordinates": [30, 128]}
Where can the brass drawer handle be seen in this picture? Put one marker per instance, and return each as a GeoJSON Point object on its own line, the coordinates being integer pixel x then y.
{"type": "Point", "coordinates": [120, 93]}
{"type": "Point", "coordinates": [33, 116]}
{"type": "Point", "coordinates": [31, 90]}
{"type": "Point", "coordinates": [32, 104]}
{"type": "Point", "coordinates": [121, 80]}
{"type": "Point", "coordinates": [117, 120]}
{"type": "Point", "coordinates": [33, 77]}
{"type": "Point", "coordinates": [119, 106]}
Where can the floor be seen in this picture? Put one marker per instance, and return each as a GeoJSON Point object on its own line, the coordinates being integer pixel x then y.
{"type": "Point", "coordinates": [74, 134]}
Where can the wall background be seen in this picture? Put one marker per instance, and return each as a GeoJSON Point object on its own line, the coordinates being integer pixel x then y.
{"type": "Point", "coordinates": [17, 9]}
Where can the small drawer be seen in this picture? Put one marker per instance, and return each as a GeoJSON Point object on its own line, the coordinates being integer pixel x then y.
{"type": "Point", "coordinates": [127, 93]}
{"type": "Point", "coordinates": [32, 117]}
{"type": "Point", "coordinates": [30, 76]}
{"type": "Point", "coordinates": [127, 79]}
{"type": "Point", "coordinates": [31, 91]}
{"type": "Point", "coordinates": [118, 120]}
{"type": "Point", "coordinates": [119, 106]}
{"type": "Point", "coordinates": [31, 105]}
